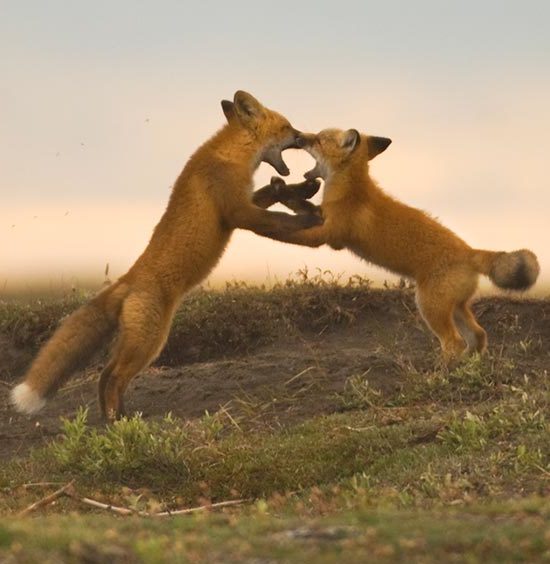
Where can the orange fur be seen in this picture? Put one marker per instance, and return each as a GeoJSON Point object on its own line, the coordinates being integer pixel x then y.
{"type": "Point", "coordinates": [359, 216]}
{"type": "Point", "coordinates": [211, 198]}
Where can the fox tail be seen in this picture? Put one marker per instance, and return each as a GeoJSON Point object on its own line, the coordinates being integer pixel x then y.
{"type": "Point", "coordinates": [75, 341]}
{"type": "Point", "coordinates": [517, 270]}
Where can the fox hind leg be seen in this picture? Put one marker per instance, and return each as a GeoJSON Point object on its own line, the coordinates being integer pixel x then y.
{"type": "Point", "coordinates": [437, 309]}
{"type": "Point", "coordinates": [469, 328]}
{"type": "Point", "coordinates": [102, 384]}
{"type": "Point", "coordinates": [144, 329]}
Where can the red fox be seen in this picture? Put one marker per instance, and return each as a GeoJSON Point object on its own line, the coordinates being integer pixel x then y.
{"type": "Point", "coordinates": [359, 216]}
{"type": "Point", "coordinates": [211, 198]}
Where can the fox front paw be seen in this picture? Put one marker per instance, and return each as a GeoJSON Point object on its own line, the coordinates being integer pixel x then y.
{"type": "Point", "coordinates": [278, 188]}
{"type": "Point", "coordinates": [305, 190]}
{"type": "Point", "coordinates": [309, 220]}
{"type": "Point", "coordinates": [301, 191]}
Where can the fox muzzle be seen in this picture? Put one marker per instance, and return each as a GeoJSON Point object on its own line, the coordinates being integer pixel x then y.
{"type": "Point", "coordinates": [299, 141]}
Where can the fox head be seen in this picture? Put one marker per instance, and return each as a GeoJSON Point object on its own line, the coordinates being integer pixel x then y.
{"type": "Point", "coordinates": [269, 129]}
{"type": "Point", "coordinates": [334, 149]}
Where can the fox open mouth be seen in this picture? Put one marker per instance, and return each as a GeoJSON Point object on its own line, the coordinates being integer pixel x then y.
{"type": "Point", "coordinates": [274, 157]}
{"type": "Point", "coordinates": [315, 172]}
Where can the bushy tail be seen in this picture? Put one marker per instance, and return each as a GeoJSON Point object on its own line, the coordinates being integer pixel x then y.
{"type": "Point", "coordinates": [512, 271]}
{"type": "Point", "coordinates": [73, 343]}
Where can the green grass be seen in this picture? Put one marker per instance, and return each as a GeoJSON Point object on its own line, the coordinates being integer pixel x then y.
{"type": "Point", "coordinates": [221, 456]}
{"type": "Point", "coordinates": [394, 482]}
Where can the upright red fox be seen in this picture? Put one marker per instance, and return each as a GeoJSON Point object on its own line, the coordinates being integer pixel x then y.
{"type": "Point", "coordinates": [211, 198]}
{"type": "Point", "coordinates": [359, 216]}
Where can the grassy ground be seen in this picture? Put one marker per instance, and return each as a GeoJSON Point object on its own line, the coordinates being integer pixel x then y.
{"type": "Point", "coordinates": [439, 466]}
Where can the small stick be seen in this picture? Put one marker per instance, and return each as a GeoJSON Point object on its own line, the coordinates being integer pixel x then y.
{"type": "Point", "coordinates": [47, 500]}
{"type": "Point", "coordinates": [359, 429]}
{"type": "Point", "coordinates": [200, 508]}
{"type": "Point", "coordinates": [305, 371]}
{"type": "Point", "coordinates": [126, 511]}
{"type": "Point", "coordinates": [108, 507]}
{"type": "Point", "coordinates": [40, 485]}
{"type": "Point", "coordinates": [541, 469]}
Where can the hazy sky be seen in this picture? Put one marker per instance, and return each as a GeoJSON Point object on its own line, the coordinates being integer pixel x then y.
{"type": "Point", "coordinates": [102, 103]}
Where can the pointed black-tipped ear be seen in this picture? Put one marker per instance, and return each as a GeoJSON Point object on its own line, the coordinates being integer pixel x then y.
{"type": "Point", "coordinates": [377, 145]}
{"type": "Point", "coordinates": [247, 108]}
{"type": "Point", "coordinates": [228, 110]}
{"type": "Point", "coordinates": [350, 140]}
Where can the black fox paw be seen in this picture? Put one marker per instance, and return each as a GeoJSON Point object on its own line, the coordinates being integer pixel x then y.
{"type": "Point", "coordinates": [309, 220]}
{"type": "Point", "coordinates": [277, 183]}
{"type": "Point", "coordinates": [302, 191]}
{"type": "Point", "coordinates": [306, 190]}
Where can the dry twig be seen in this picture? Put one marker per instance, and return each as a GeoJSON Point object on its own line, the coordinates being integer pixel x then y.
{"type": "Point", "coordinates": [126, 511]}
{"type": "Point", "coordinates": [39, 485]}
{"type": "Point", "coordinates": [69, 491]}
{"type": "Point", "coordinates": [200, 508]}
{"type": "Point", "coordinates": [48, 499]}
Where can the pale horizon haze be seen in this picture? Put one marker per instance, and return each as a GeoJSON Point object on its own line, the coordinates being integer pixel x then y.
{"type": "Point", "coordinates": [102, 104]}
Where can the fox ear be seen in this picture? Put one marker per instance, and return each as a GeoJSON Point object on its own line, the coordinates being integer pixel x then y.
{"type": "Point", "coordinates": [350, 140]}
{"type": "Point", "coordinates": [247, 108]}
{"type": "Point", "coordinates": [377, 145]}
{"type": "Point", "coordinates": [228, 110]}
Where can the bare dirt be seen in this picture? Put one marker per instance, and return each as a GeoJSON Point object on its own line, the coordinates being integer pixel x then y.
{"type": "Point", "coordinates": [291, 379]}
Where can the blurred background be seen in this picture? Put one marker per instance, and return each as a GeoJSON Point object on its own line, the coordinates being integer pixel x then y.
{"type": "Point", "coordinates": [102, 103]}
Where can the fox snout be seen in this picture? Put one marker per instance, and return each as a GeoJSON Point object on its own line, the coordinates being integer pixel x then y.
{"type": "Point", "coordinates": [304, 140]}
{"type": "Point", "coordinates": [299, 141]}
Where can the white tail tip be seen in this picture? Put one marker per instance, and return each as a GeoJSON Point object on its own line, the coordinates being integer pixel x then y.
{"type": "Point", "coordinates": [26, 400]}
